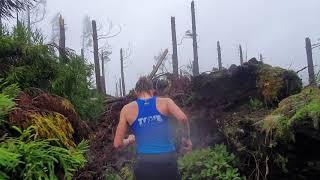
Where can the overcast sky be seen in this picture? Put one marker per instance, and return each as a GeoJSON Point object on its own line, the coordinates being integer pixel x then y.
{"type": "Point", "coordinates": [275, 28]}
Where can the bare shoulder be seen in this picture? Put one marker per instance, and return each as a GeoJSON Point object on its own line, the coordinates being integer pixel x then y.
{"type": "Point", "coordinates": [129, 106]}
{"type": "Point", "coordinates": [130, 112]}
{"type": "Point", "coordinates": [164, 100]}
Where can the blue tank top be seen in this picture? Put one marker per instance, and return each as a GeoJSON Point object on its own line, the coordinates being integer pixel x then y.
{"type": "Point", "coordinates": [152, 129]}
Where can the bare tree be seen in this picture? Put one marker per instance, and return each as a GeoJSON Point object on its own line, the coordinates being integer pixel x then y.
{"type": "Point", "coordinates": [96, 55]}
{"type": "Point", "coordinates": [104, 32]}
{"type": "Point", "coordinates": [261, 57]}
{"type": "Point", "coordinates": [86, 37]}
{"type": "Point", "coordinates": [124, 56]}
{"type": "Point", "coordinates": [241, 54]}
{"type": "Point", "coordinates": [36, 13]}
{"type": "Point", "coordinates": [62, 40]}
{"type": "Point", "coordinates": [175, 63]}
{"type": "Point", "coordinates": [104, 59]}
{"type": "Point", "coordinates": [195, 44]}
{"type": "Point", "coordinates": [96, 36]}
{"type": "Point", "coordinates": [246, 54]}
{"type": "Point", "coordinates": [312, 78]}
{"type": "Point", "coordinates": [219, 56]}
{"type": "Point", "coordinates": [58, 35]}
{"type": "Point", "coordinates": [10, 7]}
{"type": "Point", "coordinates": [55, 28]}
{"type": "Point", "coordinates": [82, 53]}
{"type": "Point", "coordinates": [117, 91]}
{"type": "Point", "coordinates": [120, 88]}
{"type": "Point", "coordinates": [103, 78]}
{"type": "Point", "coordinates": [122, 73]}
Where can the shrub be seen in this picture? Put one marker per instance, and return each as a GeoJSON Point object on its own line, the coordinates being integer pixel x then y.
{"type": "Point", "coordinates": [28, 63]}
{"type": "Point", "coordinates": [72, 83]}
{"type": "Point", "coordinates": [206, 164]}
{"type": "Point", "coordinates": [26, 158]}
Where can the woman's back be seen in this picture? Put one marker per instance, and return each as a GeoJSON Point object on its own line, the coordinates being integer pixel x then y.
{"type": "Point", "coordinates": [151, 128]}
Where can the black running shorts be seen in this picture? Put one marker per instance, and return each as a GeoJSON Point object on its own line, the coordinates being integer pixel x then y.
{"type": "Point", "coordinates": [157, 167]}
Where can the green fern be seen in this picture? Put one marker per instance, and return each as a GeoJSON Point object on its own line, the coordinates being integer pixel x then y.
{"type": "Point", "coordinates": [11, 91]}
{"type": "Point", "coordinates": [8, 159]}
{"type": "Point", "coordinates": [54, 126]}
{"type": "Point", "coordinates": [6, 104]}
{"type": "Point", "coordinates": [38, 159]}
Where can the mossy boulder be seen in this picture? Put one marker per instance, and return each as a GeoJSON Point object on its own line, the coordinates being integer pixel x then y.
{"type": "Point", "coordinates": [294, 113]}
{"type": "Point", "coordinates": [275, 83]}
{"type": "Point", "coordinates": [292, 132]}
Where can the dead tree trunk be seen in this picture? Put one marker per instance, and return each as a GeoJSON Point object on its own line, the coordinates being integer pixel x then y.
{"type": "Point", "coordinates": [28, 19]}
{"type": "Point", "coordinates": [120, 88]}
{"type": "Point", "coordinates": [17, 14]}
{"type": "Point", "coordinates": [103, 77]}
{"type": "Point", "coordinates": [261, 57]}
{"type": "Point", "coordinates": [1, 25]}
{"type": "Point", "coordinates": [241, 55]}
{"type": "Point", "coordinates": [96, 55]}
{"type": "Point", "coordinates": [62, 41]}
{"type": "Point", "coordinates": [246, 54]}
{"type": "Point", "coordinates": [82, 53]}
{"type": "Point", "coordinates": [175, 64]}
{"type": "Point", "coordinates": [117, 91]}
{"type": "Point", "coordinates": [195, 63]}
{"type": "Point", "coordinates": [312, 78]}
{"type": "Point", "coordinates": [122, 73]}
{"type": "Point", "coordinates": [219, 56]}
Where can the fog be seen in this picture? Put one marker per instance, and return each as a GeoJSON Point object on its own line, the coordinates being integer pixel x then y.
{"type": "Point", "coordinates": [276, 29]}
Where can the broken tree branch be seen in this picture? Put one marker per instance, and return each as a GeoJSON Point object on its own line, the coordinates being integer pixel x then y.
{"type": "Point", "coordinates": [304, 69]}
{"type": "Point", "coordinates": [161, 59]}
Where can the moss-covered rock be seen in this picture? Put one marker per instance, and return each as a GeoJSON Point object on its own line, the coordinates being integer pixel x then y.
{"type": "Point", "coordinates": [275, 83]}
{"type": "Point", "coordinates": [302, 108]}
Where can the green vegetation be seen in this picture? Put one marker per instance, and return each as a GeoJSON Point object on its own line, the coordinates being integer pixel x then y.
{"type": "Point", "coordinates": [45, 147]}
{"type": "Point", "coordinates": [255, 104]}
{"type": "Point", "coordinates": [28, 63]}
{"type": "Point", "coordinates": [207, 164]}
{"type": "Point", "coordinates": [72, 83]}
{"type": "Point", "coordinates": [304, 106]}
{"type": "Point", "coordinates": [26, 158]}
{"type": "Point", "coordinates": [6, 104]}
{"type": "Point", "coordinates": [54, 126]}
{"type": "Point", "coordinates": [270, 81]}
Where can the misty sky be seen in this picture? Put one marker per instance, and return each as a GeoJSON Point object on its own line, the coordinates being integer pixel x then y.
{"type": "Point", "coordinates": [275, 28]}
